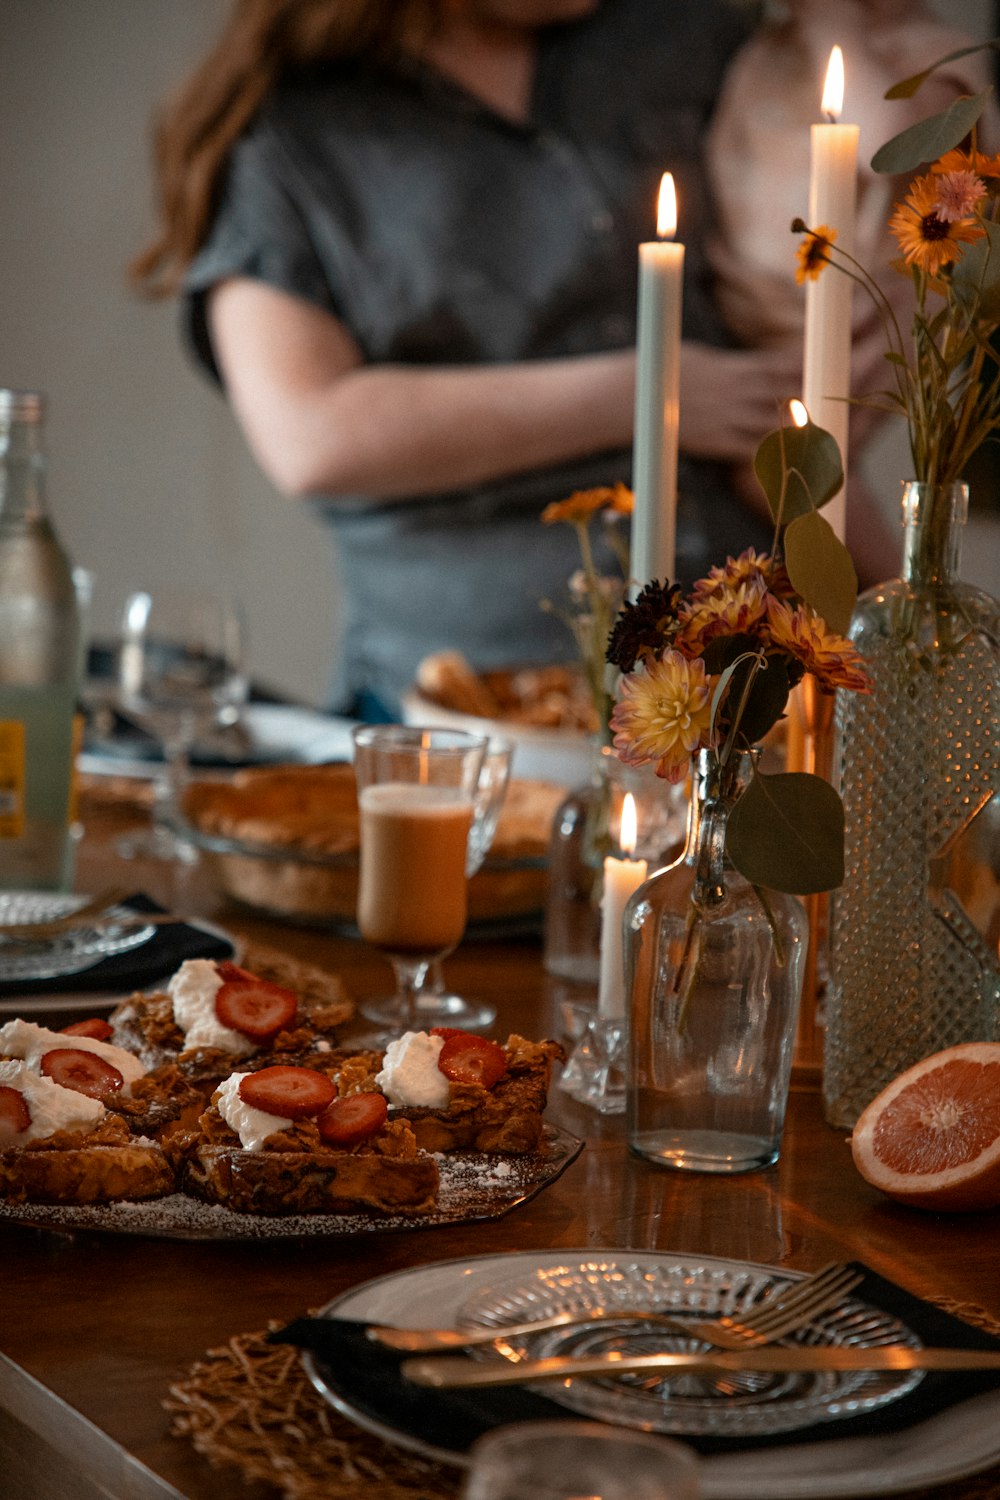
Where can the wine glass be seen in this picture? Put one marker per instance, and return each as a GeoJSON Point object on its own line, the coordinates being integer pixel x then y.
{"type": "Point", "coordinates": [417, 800]}
{"type": "Point", "coordinates": [491, 789]}
{"type": "Point", "coordinates": [179, 672]}
{"type": "Point", "coordinates": [570, 1460]}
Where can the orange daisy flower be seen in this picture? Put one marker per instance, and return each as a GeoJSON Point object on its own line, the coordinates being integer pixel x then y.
{"type": "Point", "coordinates": [958, 160]}
{"type": "Point", "coordinates": [663, 715]}
{"type": "Point", "coordinates": [813, 253]}
{"type": "Point", "coordinates": [582, 504]}
{"type": "Point", "coordinates": [926, 238]}
{"type": "Point", "coordinates": [832, 660]}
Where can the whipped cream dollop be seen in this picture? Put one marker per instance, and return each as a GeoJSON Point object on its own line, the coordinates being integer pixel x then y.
{"type": "Point", "coordinates": [410, 1074]}
{"type": "Point", "coordinates": [25, 1040]}
{"type": "Point", "coordinates": [50, 1106]}
{"type": "Point", "coordinates": [192, 992]}
{"type": "Point", "coordinates": [253, 1126]}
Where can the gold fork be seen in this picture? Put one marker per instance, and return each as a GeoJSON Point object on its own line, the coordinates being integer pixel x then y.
{"type": "Point", "coordinates": [782, 1312]}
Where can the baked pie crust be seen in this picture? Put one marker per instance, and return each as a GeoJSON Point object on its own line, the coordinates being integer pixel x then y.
{"type": "Point", "coordinates": [292, 833]}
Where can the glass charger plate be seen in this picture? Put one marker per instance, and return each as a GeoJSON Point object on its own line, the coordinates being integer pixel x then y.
{"type": "Point", "coordinates": [962, 1440]}
{"type": "Point", "coordinates": [473, 1186]}
{"type": "Point", "coordinates": [97, 1001]}
{"type": "Point", "coordinates": [66, 952]}
{"type": "Point", "coordinates": [749, 1404]}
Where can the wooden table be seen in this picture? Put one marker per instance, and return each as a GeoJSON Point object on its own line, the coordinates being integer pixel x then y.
{"type": "Point", "coordinates": [94, 1328]}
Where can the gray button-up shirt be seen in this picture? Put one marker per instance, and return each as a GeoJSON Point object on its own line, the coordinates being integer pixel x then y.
{"type": "Point", "coordinates": [440, 233]}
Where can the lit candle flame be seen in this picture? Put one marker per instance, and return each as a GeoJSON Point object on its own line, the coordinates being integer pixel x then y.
{"type": "Point", "coordinates": [629, 833]}
{"type": "Point", "coordinates": [833, 89]}
{"type": "Point", "coordinates": [798, 413]}
{"type": "Point", "coordinates": [666, 208]}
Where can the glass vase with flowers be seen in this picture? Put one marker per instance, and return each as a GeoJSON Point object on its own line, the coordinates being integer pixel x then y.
{"type": "Point", "coordinates": [915, 928]}
{"type": "Point", "coordinates": [587, 826]}
{"type": "Point", "coordinates": [715, 943]}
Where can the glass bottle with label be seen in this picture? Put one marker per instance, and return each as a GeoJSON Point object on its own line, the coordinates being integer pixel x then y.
{"type": "Point", "coordinates": [39, 662]}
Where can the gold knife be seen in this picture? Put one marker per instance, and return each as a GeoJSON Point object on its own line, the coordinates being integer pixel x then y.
{"type": "Point", "coordinates": [447, 1372]}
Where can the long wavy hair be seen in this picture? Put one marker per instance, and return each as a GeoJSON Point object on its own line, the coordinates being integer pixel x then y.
{"type": "Point", "coordinates": [261, 43]}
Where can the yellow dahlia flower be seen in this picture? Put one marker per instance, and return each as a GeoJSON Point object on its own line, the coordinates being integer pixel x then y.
{"type": "Point", "coordinates": [663, 715]}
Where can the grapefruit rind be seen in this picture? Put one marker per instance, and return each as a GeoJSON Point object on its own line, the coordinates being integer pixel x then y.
{"type": "Point", "coordinates": [971, 1185]}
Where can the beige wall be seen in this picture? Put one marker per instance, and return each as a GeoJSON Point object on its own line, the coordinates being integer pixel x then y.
{"type": "Point", "coordinates": [149, 478]}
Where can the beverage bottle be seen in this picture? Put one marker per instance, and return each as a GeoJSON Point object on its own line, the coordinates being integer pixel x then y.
{"type": "Point", "coordinates": [39, 662]}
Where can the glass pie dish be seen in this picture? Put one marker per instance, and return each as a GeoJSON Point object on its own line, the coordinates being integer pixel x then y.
{"type": "Point", "coordinates": [750, 1403]}
{"type": "Point", "coordinates": [284, 841]}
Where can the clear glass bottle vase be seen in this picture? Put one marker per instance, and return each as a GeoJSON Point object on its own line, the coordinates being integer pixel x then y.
{"type": "Point", "coordinates": [714, 972]}
{"type": "Point", "coordinates": [915, 925]}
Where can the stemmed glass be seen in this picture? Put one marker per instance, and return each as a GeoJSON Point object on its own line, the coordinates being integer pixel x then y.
{"type": "Point", "coordinates": [179, 672]}
{"type": "Point", "coordinates": [419, 816]}
{"type": "Point", "coordinates": [491, 790]}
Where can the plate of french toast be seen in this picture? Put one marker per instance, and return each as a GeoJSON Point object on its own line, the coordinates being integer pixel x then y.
{"type": "Point", "coordinates": [226, 1106]}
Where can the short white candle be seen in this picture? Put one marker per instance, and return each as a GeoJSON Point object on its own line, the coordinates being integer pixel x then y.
{"type": "Point", "coordinates": [657, 397]}
{"type": "Point", "coordinates": [833, 179]}
{"type": "Point", "coordinates": [621, 878]}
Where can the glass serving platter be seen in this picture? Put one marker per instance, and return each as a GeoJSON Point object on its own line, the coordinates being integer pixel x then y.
{"type": "Point", "coordinates": [68, 952]}
{"type": "Point", "coordinates": [474, 1186]}
{"type": "Point", "coordinates": [737, 1405]}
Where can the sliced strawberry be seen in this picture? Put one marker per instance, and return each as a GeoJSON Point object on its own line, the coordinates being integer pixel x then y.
{"type": "Point", "coordinates": [255, 1007]}
{"type": "Point", "coordinates": [94, 1027]}
{"type": "Point", "coordinates": [465, 1058]}
{"type": "Point", "coordinates": [292, 1093]}
{"type": "Point", "coordinates": [449, 1031]}
{"type": "Point", "coordinates": [228, 971]}
{"type": "Point", "coordinates": [84, 1072]}
{"type": "Point", "coordinates": [353, 1119]}
{"type": "Point", "coordinates": [15, 1116]}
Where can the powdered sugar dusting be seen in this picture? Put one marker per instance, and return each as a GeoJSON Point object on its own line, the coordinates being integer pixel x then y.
{"type": "Point", "coordinates": [473, 1186]}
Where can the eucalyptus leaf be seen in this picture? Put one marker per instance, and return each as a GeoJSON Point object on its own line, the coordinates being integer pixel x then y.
{"type": "Point", "coordinates": [766, 700]}
{"type": "Point", "coordinates": [720, 690]}
{"type": "Point", "coordinates": [811, 458]}
{"type": "Point", "coordinates": [928, 139]}
{"type": "Point", "coordinates": [721, 652]}
{"type": "Point", "coordinates": [786, 833]}
{"type": "Point", "coordinates": [977, 274]}
{"type": "Point", "coordinates": [909, 86]}
{"type": "Point", "coordinates": [821, 570]}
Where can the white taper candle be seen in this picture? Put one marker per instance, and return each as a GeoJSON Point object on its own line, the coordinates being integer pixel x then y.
{"type": "Point", "coordinates": [657, 397]}
{"type": "Point", "coordinates": [826, 380]}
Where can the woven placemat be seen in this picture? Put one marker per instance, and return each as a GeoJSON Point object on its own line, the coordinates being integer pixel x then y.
{"type": "Point", "coordinates": [250, 1404]}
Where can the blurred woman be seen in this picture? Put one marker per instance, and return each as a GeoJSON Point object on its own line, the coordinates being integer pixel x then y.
{"type": "Point", "coordinates": [405, 234]}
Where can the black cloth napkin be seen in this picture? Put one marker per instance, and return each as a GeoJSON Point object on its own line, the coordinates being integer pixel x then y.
{"type": "Point", "coordinates": [368, 1377]}
{"type": "Point", "coordinates": [136, 968]}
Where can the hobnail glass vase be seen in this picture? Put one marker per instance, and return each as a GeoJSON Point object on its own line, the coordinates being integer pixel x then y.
{"type": "Point", "coordinates": [714, 973]}
{"type": "Point", "coordinates": [915, 925]}
{"type": "Point", "coordinates": [586, 828]}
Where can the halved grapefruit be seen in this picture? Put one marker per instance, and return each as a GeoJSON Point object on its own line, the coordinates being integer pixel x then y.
{"type": "Point", "coordinates": [931, 1138]}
